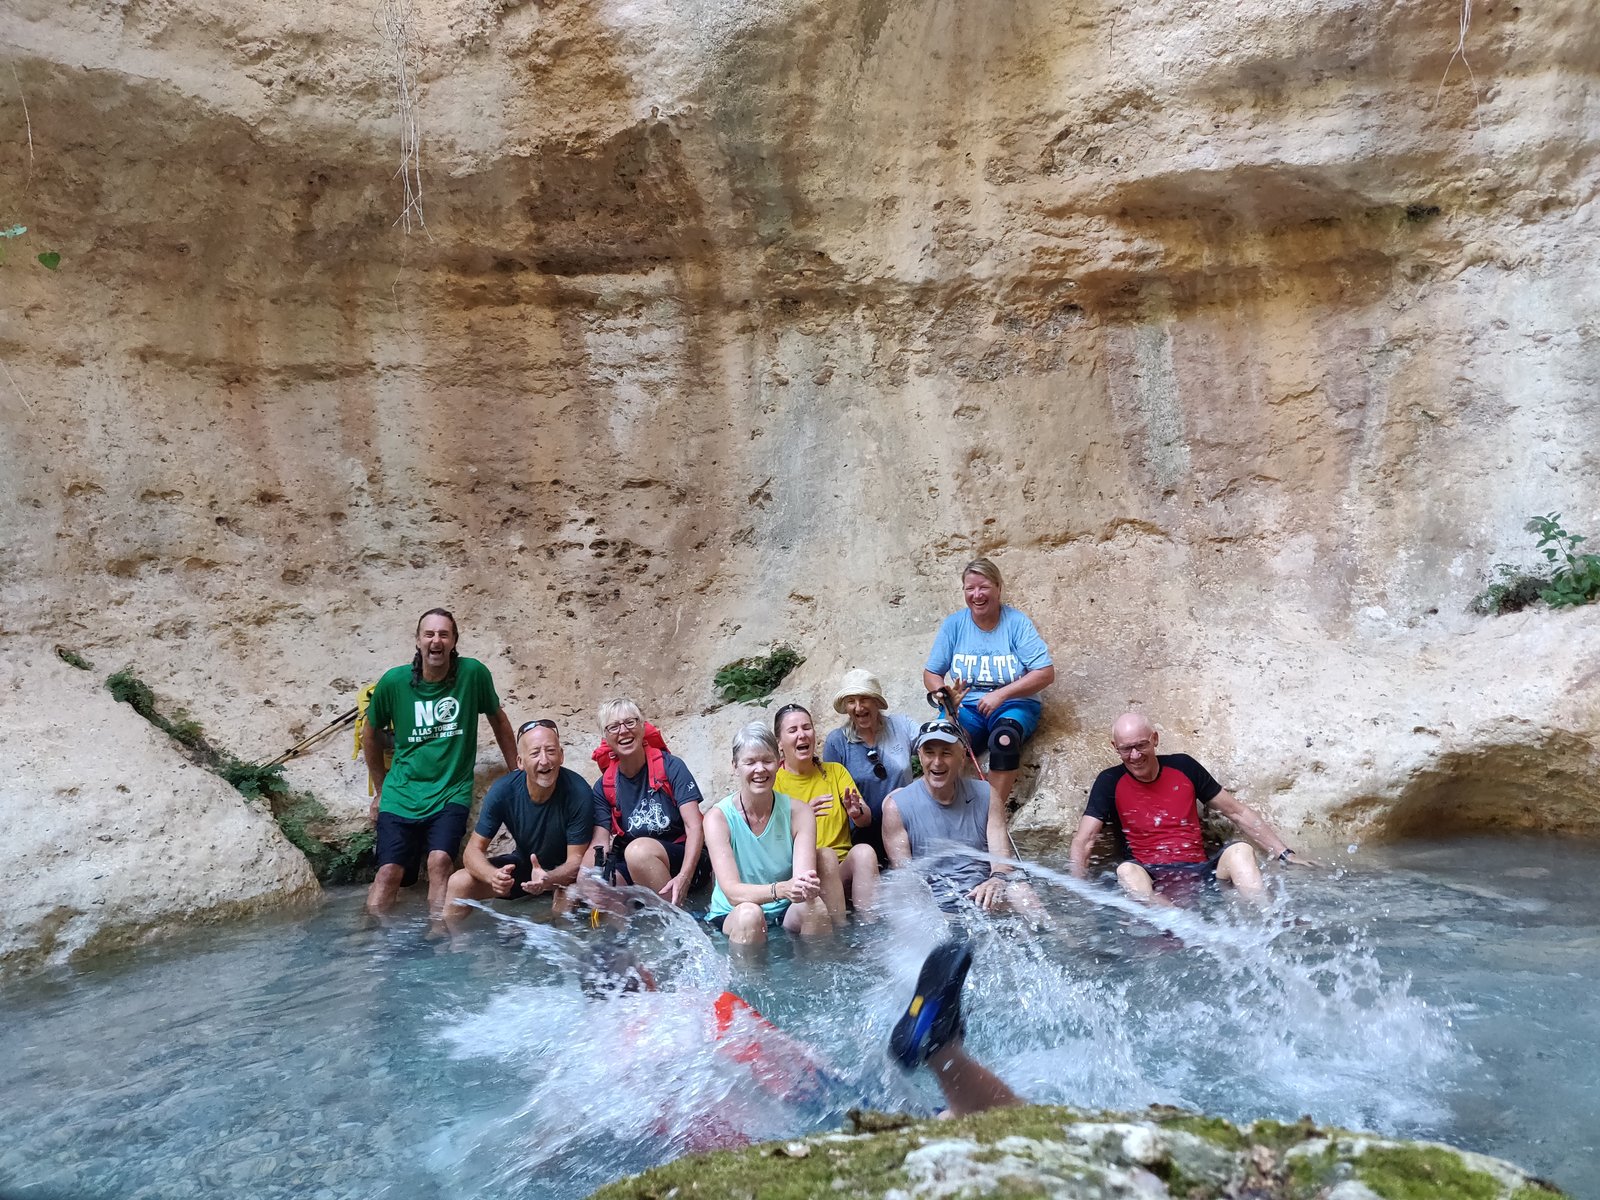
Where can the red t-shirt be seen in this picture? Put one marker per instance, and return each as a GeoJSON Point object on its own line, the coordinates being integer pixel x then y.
{"type": "Point", "coordinates": [1156, 823]}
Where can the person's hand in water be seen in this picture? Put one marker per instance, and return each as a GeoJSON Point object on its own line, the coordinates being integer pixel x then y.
{"type": "Point", "coordinates": [806, 885]}
{"type": "Point", "coordinates": [538, 883]}
{"type": "Point", "coordinates": [988, 893]}
{"type": "Point", "coordinates": [674, 890]}
{"type": "Point", "coordinates": [1290, 859]}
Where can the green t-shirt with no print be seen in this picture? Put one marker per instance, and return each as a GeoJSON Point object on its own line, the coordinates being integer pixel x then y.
{"type": "Point", "coordinates": [435, 736]}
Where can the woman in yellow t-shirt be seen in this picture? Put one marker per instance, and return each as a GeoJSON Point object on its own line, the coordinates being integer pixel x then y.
{"type": "Point", "coordinates": [832, 794]}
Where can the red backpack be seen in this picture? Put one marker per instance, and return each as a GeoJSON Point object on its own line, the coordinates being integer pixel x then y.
{"type": "Point", "coordinates": [655, 752]}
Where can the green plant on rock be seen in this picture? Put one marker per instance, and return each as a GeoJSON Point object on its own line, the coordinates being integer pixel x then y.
{"type": "Point", "coordinates": [253, 781]}
{"type": "Point", "coordinates": [1576, 578]}
{"type": "Point", "coordinates": [1512, 591]}
{"type": "Point", "coordinates": [127, 688]}
{"type": "Point", "coordinates": [748, 680]}
{"type": "Point", "coordinates": [73, 659]}
{"type": "Point", "coordinates": [301, 816]}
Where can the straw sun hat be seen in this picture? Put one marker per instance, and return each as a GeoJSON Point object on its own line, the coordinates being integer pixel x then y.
{"type": "Point", "coordinates": [858, 682]}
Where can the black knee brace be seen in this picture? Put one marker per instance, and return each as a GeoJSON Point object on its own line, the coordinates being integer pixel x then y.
{"type": "Point", "coordinates": [1005, 745]}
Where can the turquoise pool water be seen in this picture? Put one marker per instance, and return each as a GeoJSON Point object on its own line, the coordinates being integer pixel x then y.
{"type": "Point", "coordinates": [1445, 991]}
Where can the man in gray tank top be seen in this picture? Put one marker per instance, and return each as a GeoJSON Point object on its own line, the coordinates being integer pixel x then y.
{"type": "Point", "coordinates": [933, 816]}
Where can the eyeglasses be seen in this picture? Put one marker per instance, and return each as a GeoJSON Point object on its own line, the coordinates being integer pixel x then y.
{"type": "Point", "coordinates": [626, 725]}
{"type": "Point", "coordinates": [541, 723]}
{"type": "Point", "coordinates": [878, 769]}
{"type": "Point", "coordinates": [1143, 747]}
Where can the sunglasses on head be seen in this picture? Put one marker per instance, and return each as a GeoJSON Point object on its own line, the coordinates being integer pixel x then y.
{"type": "Point", "coordinates": [541, 723]}
{"type": "Point", "coordinates": [878, 769]}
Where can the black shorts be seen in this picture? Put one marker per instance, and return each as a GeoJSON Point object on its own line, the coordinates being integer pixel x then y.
{"type": "Point", "coordinates": [674, 850]}
{"type": "Point", "coordinates": [774, 920]}
{"type": "Point", "coordinates": [407, 841]}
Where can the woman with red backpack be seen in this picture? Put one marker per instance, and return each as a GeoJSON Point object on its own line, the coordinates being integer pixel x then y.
{"type": "Point", "coordinates": [646, 806]}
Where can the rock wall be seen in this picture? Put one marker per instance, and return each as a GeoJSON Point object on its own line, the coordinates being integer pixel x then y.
{"type": "Point", "coordinates": [1245, 336]}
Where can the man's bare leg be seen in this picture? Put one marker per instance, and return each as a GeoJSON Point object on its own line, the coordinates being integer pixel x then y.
{"type": "Point", "coordinates": [385, 889]}
{"type": "Point", "coordinates": [967, 1084]}
{"type": "Point", "coordinates": [463, 885]}
{"type": "Point", "coordinates": [931, 1033]}
{"type": "Point", "coordinates": [1135, 880]}
{"type": "Point", "coordinates": [1238, 866]}
{"type": "Point", "coordinates": [440, 867]}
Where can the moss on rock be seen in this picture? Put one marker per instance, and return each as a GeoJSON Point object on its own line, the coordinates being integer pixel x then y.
{"type": "Point", "coordinates": [1076, 1155]}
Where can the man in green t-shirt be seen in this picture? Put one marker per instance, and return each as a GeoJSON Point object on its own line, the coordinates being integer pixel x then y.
{"type": "Point", "coordinates": [421, 802]}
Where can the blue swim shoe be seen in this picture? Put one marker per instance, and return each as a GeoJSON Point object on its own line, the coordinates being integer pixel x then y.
{"type": "Point", "coordinates": [934, 1015]}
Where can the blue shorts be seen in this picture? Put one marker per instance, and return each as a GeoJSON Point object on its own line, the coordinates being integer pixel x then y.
{"type": "Point", "coordinates": [1024, 712]}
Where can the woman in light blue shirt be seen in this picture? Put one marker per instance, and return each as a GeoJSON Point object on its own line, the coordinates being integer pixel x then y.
{"type": "Point", "coordinates": [763, 848]}
{"type": "Point", "coordinates": [997, 664]}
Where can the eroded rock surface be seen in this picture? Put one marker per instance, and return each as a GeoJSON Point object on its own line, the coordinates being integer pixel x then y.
{"type": "Point", "coordinates": [1066, 1154]}
{"type": "Point", "coordinates": [112, 833]}
{"type": "Point", "coordinates": [1244, 335]}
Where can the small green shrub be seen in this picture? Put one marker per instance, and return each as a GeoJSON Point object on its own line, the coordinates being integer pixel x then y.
{"type": "Point", "coordinates": [127, 688]}
{"type": "Point", "coordinates": [73, 659]}
{"type": "Point", "coordinates": [254, 781]}
{"type": "Point", "coordinates": [1512, 591]}
{"type": "Point", "coordinates": [185, 729]}
{"type": "Point", "coordinates": [1576, 578]}
{"type": "Point", "coordinates": [350, 861]}
{"type": "Point", "coordinates": [748, 680]}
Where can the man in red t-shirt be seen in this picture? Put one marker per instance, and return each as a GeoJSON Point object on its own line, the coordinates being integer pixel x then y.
{"type": "Point", "coordinates": [1152, 802]}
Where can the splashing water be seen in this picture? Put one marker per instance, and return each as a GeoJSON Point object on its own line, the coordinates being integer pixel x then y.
{"type": "Point", "coordinates": [309, 1057]}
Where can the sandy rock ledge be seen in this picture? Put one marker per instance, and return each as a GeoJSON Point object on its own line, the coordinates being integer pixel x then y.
{"type": "Point", "coordinates": [1074, 1155]}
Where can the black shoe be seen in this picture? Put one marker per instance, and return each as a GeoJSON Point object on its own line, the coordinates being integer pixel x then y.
{"type": "Point", "coordinates": [934, 1015]}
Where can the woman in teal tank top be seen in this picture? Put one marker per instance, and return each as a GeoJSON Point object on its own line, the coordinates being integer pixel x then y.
{"type": "Point", "coordinates": [763, 848]}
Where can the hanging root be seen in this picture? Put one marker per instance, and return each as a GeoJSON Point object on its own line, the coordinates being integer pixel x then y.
{"type": "Point", "coordinates": [395, 16]}
{"type": "Point", "coordinates": [1460, 52]}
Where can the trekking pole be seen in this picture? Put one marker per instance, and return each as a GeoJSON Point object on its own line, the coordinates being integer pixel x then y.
{"type": "Point", "coordinates": [338, 722]}
{"type": "Point", "coordinates": [941, 701]}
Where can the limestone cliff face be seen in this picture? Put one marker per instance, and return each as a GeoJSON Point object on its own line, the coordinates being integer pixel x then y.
{"type": "Point", "coordinates": [1244, 335]}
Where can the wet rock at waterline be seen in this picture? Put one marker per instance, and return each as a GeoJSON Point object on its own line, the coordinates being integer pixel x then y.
{"type": "Point", "coordinates": [1065, 1154]}
{"type": "Point", "coordinates": [110, 832]}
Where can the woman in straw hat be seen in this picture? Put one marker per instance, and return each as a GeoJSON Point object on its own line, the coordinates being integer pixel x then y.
{"type": "Point", "coordinates": [874, 745]}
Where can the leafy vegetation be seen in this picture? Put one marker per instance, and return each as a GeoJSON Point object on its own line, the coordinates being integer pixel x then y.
{"type": "Point", "coordinates": [749, 680]}
{"type": "Point", "coordinates": [1576, 577]}
{"type": "Point", "coordinates": [302, 817]}
{"type": "Point", "coordinates": [1573, 577]}
{"type": "Point", "coordinates": [73, 659]}
{"type": "Point", "coordinates": [1512, 591]}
